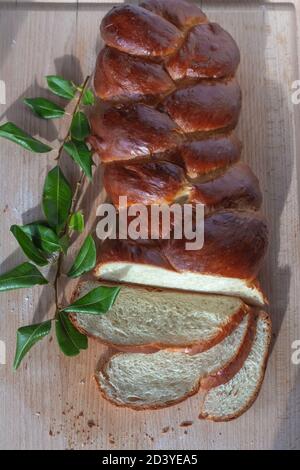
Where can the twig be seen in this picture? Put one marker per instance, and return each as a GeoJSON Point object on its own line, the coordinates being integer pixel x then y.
{"type": "Point", "coordinates": [74, 199]}
{"type": "Point", "coordinates": [83, 88]}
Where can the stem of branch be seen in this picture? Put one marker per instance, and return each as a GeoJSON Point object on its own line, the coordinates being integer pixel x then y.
{"type": "Point", "coordinates": [84, 86]}
{"type": "Point", "coordinates": [74, 199]}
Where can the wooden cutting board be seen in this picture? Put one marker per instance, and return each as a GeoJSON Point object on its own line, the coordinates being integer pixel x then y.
{"type": "Point", "coordinates": [52, 402]}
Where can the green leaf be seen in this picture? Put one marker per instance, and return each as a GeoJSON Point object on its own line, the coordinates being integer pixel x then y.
{"type": "Point", "coordinates": [77, 222]}
{"type": "Point", "coordinates": [28, 336]}
{"type": "Point", "coordinates": [11, 132]}
{"type": "Point", "coordinates": [70, 340]}
{"type": "Point", "coordinates": [88, 98]}
{"type": "Point", "coordinates": [44, 108]}
{"type": "Point", "coordinates": [64, 243]}
{"type": "Point", "coordinates": [80, 127]}
{"type": "Point", "coordinates": [24, 275]}
{"type": "Point", "coordinates": [85, 259]}
{"type": "Point", "coordinates": [28, 247]}
{"type": "Point", "coordinates": [57, 199]}
{"type": "Point", "coordinates": [81, 154]}
{"type": "Point", "coordinates": [43, 237]}
{"type": "Point", "coordinates": [61, 87]}
{"type": "Point", "coordinates": [96, 302]}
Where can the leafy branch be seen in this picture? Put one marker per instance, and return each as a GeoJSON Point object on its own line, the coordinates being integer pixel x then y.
{"type": "Point", "coordinates": [46, 242]}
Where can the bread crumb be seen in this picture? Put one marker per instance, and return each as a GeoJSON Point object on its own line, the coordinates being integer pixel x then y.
{"type": "Point", "coordinates": [165, 429]}
{"type": "Point", "coordinates": [185, 424]}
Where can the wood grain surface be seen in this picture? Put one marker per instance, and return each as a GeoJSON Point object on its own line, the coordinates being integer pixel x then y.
{"type": "Point", "coordinates": [52, 402]}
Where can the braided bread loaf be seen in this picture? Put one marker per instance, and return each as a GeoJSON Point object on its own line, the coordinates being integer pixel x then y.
{"type": "Point", "coordinates": [165, 131]}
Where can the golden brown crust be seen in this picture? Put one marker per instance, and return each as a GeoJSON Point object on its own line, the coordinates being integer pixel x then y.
{"type": "Point", "coordinates": [181, 13]}
{"type": "Point", "coordinates": [208, 52]}
{"type": "Point", "coordinates": [250, 402]}
{"type": "Point", "coordinates": [162, 182]}
{"type": "Point", "coordinates": [123, 77]}
{"type": "Point", "coordinates": [210, 154]}
{"type": "Point", "coordinates": [237, 187]}
{"type": "Point", "coordinates": [235, 246]}
{"type": "Point", "coordinates": [145, 183]}
{"type": "Point", "coordinates": [132, 131]}
{"type": "Point", "coordinates": [140, 32]}
{"type": "Point", "coordinates": [141, 252]}
{"type": "Point", "coordinates": [235, 243]}
{"type": "Point", "coordinates": [207, 106]}
{"type": "Point", "coordinates": [199, 158]}
{"type": "Point", "coordinates": [247, 339]}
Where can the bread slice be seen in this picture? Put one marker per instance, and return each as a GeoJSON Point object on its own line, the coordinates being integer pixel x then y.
{"type": "Point", "coordinates": [231, 399]}
{"type": "Point", "coordinates": [145, 319]}
{"type": "Point", "coordinates": [152, 381]}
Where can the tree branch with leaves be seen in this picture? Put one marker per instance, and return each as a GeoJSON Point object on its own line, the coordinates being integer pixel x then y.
{"type": "Point", "coordinates": [47, 242]}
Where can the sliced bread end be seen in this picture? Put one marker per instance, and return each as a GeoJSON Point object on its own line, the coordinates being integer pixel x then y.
{"type": "Point", "coordinates": [230, 400]}
{"type": "Point", "coordinates": [137, 273]}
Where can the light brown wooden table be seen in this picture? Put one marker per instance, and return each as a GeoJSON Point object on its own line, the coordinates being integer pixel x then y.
{"type": "Point", "coordinates": [52, 402]}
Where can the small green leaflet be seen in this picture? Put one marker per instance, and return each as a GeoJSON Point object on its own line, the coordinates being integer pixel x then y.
{"type": "Point", "coordinates": [43, 237]}
{"type": "Point", "coordinates": [28, 247]}
{"type": "Point", "coordinates": [11, 132]}
{"type": "Point", "coordinates": [81, 154]}
{"type": "Point", "coordinates": [44, 108]}
{"type": "Point", "coordinates": [85, 259]}
{"type": "Point", "coordinates": [28, 336]}
{"type": "Point", "coordinates": [70, 340]}
{"type": "Point", "coordinates": [61, 87]}
{"type": "Point", "coordinates": [80, 127]}
{"type": "Point", "coordinates": [77, 222]}
{"type": "Point", "coordinates": [24, 275]}
{"type": "Point", "coordinates": [96, 302]}
{"type": "Point", "coordinates": [88, 98]}
{"type": "Point", "coordinates": [57, 199]}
